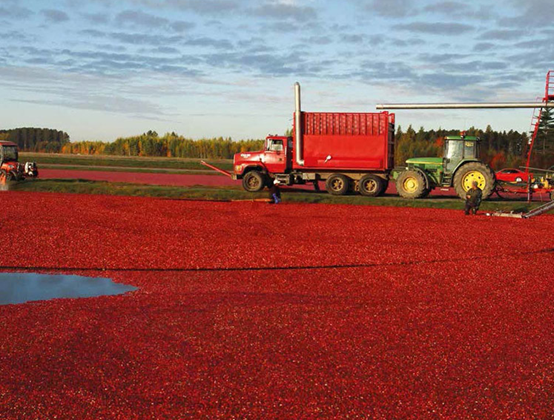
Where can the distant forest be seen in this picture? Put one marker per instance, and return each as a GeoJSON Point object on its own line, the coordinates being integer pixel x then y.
{"type": "Point", "coordinates": [36, 139]}
{"type": "Point", "coordinates": [499, 149]}
{"type": "Point", "coordinates": [168, 145]}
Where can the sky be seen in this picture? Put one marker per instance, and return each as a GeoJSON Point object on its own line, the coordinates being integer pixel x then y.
{"type": "Point", "coordinates": [103, 69]}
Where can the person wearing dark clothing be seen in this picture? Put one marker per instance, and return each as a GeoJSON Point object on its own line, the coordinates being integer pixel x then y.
{"type": "Point", "coordinates": [473, 199]}
{"type": "Point", "coordinates": [274, 192]}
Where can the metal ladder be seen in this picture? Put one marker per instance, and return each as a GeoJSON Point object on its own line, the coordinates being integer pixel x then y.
{"type": "Point", "coordinates": [536, 122]}
{"type": "Point", "coordinates": [537, 115]}
{"type": "Point", "coordinates": [549, 94]}
{"type": "Point", "coordinates": [539, 210]}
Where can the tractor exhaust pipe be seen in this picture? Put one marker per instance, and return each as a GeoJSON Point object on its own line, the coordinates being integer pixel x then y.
{"type": "Point", "coordinates": [298, 126]}
{"type": "Point", "coordinates": [469, 105]}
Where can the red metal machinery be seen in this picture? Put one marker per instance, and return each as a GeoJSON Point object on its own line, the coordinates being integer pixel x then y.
{"type": "Point", "coordinates": [545, 185]}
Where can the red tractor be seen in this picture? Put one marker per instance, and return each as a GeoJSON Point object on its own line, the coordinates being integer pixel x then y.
{"type": "Point", "coordinates": [10, 168]}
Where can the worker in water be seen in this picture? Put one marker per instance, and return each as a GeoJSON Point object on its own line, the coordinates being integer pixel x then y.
{"type": "Point", "coordinates": [274, 192]}
{"type": "Point", "coordinates": [473, 198]}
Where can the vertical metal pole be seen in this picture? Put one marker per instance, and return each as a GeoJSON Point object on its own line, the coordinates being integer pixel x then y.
{"type": "Point", "coordinates": [298, 126]}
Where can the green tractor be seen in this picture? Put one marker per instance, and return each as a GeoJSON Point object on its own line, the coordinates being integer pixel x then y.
{"type": "Point", "coordinates": [459, 167]}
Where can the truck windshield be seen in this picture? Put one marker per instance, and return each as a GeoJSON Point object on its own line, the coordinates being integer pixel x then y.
{"type": "Point", "coordinates": [275, 145]}
{"type": "Point", "coordinates": [9, 153]}
{"type": "Point", "coordinates": [455, 149]}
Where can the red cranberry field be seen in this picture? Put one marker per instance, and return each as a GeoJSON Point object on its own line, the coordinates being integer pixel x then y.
{"type": "Point", "coordinates": [249, 310]}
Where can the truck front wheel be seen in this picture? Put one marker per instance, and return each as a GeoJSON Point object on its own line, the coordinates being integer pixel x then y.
{"type": "Point", "coordinates": [371, 185]}
{"type": "Point", "coordinates": [337, 184]}
{"type": "Point", "coordinates": [410, 184]}
{"type": "Point", "coordinates": [253, 181]}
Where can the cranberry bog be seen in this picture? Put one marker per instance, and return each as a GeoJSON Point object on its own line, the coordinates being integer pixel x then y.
{"type": "Point", "coordinates": [248, 310]}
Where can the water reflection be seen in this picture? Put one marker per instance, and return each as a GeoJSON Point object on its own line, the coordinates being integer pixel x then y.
{"type": "Point", "coordinates": [25, 287]}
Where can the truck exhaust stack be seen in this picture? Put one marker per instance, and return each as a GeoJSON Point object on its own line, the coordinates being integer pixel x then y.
{"type": "Point", "coordinates": [298, 126]}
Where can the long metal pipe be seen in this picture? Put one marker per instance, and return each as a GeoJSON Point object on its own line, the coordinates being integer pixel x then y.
{"type": "Point", "coordinates": [298, 126]}
{"type": "Point", "coordinates": [469, 105]}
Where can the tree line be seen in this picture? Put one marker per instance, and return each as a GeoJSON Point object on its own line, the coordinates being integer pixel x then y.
{"type": "Point", "coordinates": [498, 149]}
{"type": "Point", "coordinates": [168, 145]}
{"type": "Point", "coordinates": [36, 139]}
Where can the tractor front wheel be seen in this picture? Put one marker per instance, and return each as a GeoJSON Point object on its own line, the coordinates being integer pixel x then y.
{"type": "Point", "coordinates": [411, 184]}
{"type": "Point", "coordinates": [253, 181]}
{"type": "Point", "coordinates": [474, 172]}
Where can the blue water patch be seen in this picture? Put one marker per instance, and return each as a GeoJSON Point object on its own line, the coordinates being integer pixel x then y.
{"type": "Point", "coordinates": [25, 287]}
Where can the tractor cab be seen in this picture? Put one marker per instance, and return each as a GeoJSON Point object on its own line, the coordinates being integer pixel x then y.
{"type": "Point", "coordinates": [458, 149]}
{"type": "Point", "coordinates": [10, 168]}
{"type": "Point", "coordinates": [8, 152]}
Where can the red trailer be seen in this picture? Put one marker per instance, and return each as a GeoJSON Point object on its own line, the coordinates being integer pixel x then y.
{"type": "Point", "coordinates": [346, 150]}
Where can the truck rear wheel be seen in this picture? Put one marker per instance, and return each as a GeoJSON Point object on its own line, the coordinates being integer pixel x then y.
{"type": "Point", "coordinates": [253, 181]}
{"type": "Point", "coordinates": [371, 185]}
{"type": "Point", "coordinates": [410, 184]}
{"type": "Point", "coordinates": [337, 184]}
{"type": "Point", "coordinates": [474, 171]}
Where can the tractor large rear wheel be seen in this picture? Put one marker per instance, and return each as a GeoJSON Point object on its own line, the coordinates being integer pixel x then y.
{"type": "Point", "coordinates": [474, 172]}
{"type": "Point", "coordinates": [411, 184]}
{"type": "Point", "coordinates": [253, 181]}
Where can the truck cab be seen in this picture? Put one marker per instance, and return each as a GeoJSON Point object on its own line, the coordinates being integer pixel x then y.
{"type": "Point", "coordinates": [253, 167]}
{"type": "Point", "coordinates": [276, 154]}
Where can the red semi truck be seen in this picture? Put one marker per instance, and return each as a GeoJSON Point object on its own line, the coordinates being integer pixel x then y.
{"type": "Point", "coordinates": [349, 151]}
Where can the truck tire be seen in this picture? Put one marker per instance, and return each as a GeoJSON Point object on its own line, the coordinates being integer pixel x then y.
{"type": "Point", "coordinates": [371, 185]}
{"type": "Point", "coordinates": [411, 184]}
{"type": "Point", "coordinates": [474, 171]}
{"type": "Point", "coordinates": [337, 184]}
{"type": "Point", "coordinates": [253, 181]}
